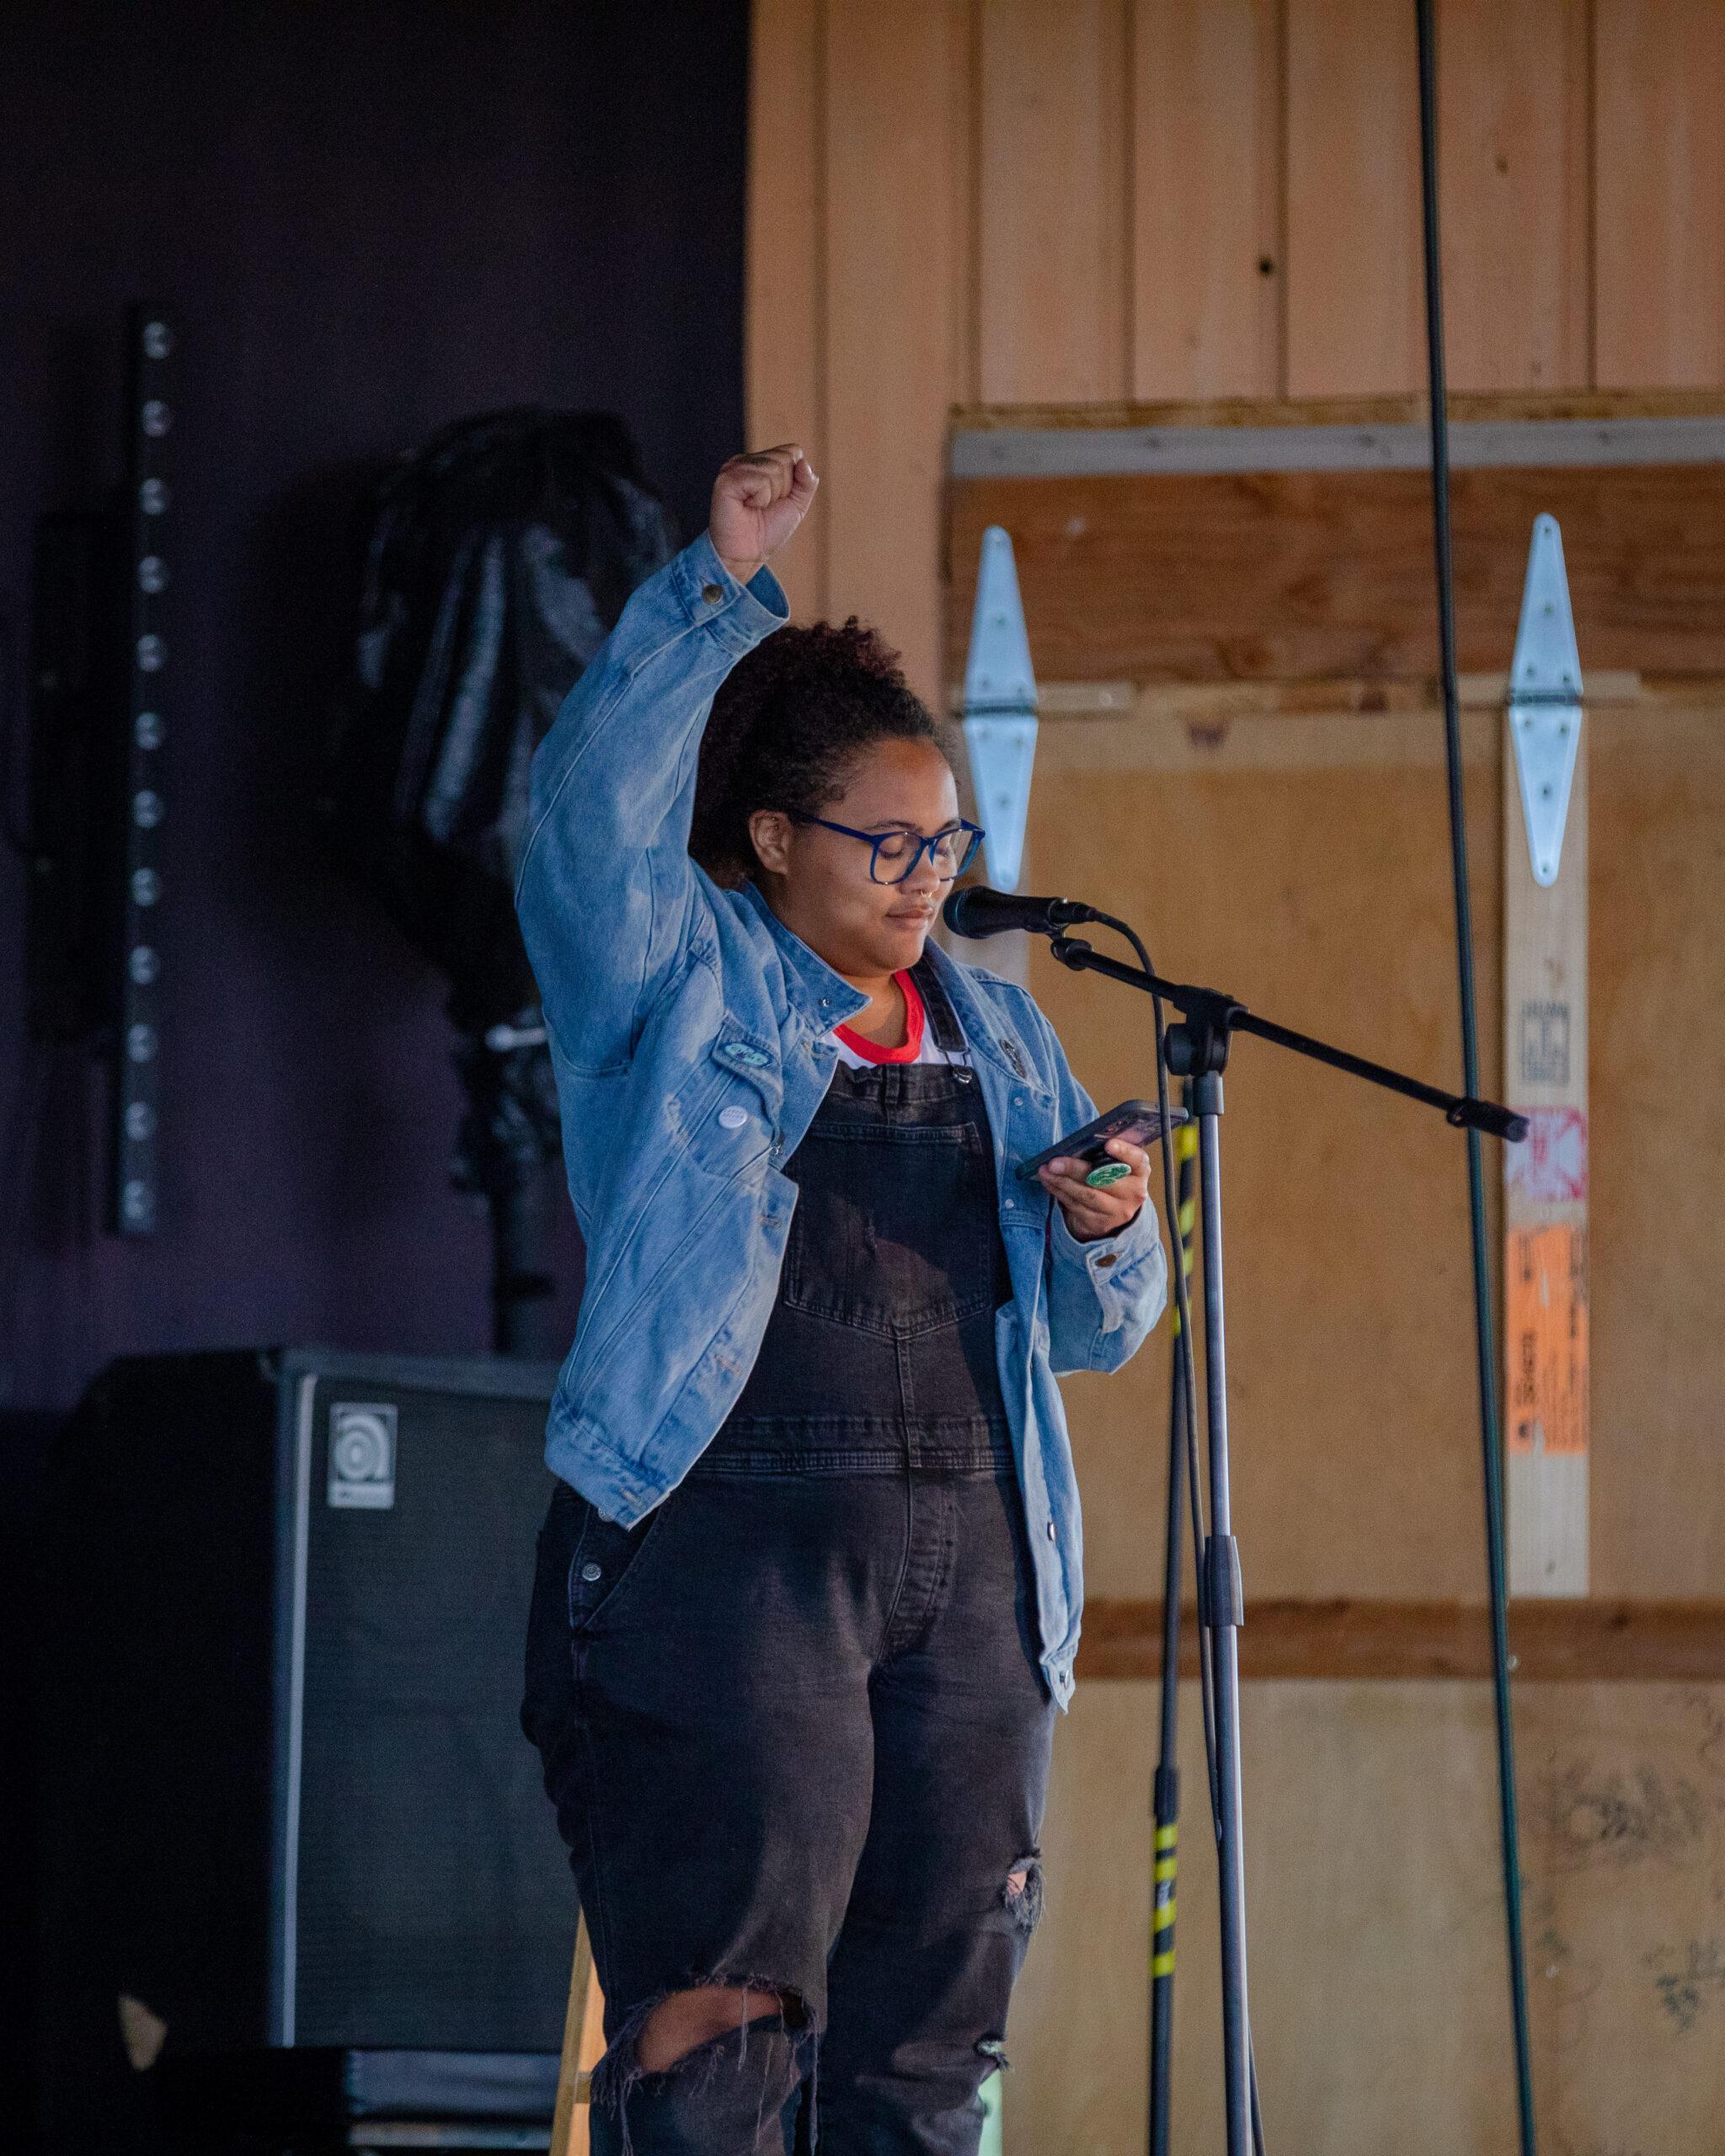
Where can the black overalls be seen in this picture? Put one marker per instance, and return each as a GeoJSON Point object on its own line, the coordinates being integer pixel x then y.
{"type": "Point", "coordinates": [793, 1720]}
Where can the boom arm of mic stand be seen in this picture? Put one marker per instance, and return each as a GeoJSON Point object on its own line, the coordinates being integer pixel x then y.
{"type": "Point", "coordinates": [1216, 1015]}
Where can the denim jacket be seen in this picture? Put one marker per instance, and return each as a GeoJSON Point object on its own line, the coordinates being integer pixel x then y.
{"type": "Point", "coordinates": [690, 1035]}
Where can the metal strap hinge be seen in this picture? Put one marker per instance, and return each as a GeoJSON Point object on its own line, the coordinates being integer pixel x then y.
{"type": "Point", "coordinates": [1544, 704]}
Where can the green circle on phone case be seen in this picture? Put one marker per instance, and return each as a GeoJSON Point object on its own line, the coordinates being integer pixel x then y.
{"type": "Point", "coordinates": [1109, 1171]}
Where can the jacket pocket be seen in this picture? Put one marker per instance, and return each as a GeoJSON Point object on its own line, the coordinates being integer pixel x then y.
{"type": "Point", "coordinates": [729, 1110]}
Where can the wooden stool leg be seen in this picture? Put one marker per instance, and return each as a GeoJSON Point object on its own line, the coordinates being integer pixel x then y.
{"type": "Point", "coordinates": [583, 2046]}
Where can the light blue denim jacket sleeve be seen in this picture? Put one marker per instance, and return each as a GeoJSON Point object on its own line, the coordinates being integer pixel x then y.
{"type": "Point", "coordinates": [1099, 1319]}
{"type": "Point", "coordinates": [606, 891]}
{"type": "Point", "coordinates": [1104, 1296]}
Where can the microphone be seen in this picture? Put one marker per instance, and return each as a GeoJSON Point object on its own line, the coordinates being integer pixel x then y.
{"type": "Point", "coordinates": [976, 910]}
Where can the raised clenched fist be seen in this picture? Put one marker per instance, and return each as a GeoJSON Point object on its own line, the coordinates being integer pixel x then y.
{"type": "Point", "coordinates": [758, 501]}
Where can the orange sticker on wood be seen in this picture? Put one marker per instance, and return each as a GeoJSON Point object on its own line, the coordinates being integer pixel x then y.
{"type": "Point", "coordinates": [1546, 1339]}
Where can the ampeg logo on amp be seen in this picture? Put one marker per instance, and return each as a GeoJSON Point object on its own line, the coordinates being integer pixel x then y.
{"type": "Point", "coordinates": [362, 1455]}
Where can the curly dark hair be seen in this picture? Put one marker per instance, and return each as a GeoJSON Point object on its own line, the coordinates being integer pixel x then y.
{"type": "Point", "coordinates": [787, 727]}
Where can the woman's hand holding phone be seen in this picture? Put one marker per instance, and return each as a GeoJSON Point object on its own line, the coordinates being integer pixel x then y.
{"type": "Point", "coordinates": [1093, 1212]}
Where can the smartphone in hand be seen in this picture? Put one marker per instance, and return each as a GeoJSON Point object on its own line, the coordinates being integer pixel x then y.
{"type": "Point", "coordinates": [1140, 1123]}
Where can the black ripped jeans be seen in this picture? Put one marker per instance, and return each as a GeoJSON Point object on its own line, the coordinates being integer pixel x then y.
{"type": "Point", "coordinates": [794, 1721]}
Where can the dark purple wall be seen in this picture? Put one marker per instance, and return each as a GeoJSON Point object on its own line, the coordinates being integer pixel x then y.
{"type": "Point", "coordinates": [373, 218]}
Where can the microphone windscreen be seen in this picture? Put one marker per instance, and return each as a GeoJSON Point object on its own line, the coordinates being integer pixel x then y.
{"type": "Point", "coordinates": [968, 913]}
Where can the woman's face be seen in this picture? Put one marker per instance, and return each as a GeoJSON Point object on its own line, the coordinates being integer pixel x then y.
{"type": "Point", "coordinates": [817, 881]}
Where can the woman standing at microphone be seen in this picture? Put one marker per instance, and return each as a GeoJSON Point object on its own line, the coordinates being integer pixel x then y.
{"type": "Point", "coordinates": [808, 1594]}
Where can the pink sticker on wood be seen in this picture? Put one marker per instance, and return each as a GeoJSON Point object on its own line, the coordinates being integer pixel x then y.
{"type": "Point", "coordinates": [1549, 1167]}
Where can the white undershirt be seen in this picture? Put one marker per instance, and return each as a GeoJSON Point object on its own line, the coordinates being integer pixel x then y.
{"type": "Point", "coordinates": [928, 1051]}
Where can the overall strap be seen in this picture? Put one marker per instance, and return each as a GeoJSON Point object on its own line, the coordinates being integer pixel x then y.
{"type": "Point", "coordinates": [943, 1019]}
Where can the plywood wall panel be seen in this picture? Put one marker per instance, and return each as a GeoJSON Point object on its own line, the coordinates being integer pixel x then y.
{"type": "Point", "coordinates": [1353, 199]}
{"type": "Point", "coordinates": [1514, 157]}
{"type": "Point", "coordinates": [1623, 1807]}
{"type": "Point", "coordinates": [964, 204]}
{"type": "Point", "coordinates": [1659, 90]}
{"type": "Point", "coordinates": [1052, 291]}
{"type": "Point", "coordinates": [1137, 159]}
{"type": "Point", "coordinates": [1302, 865]}
{"type": "Point", "coordinates": [1208, 274]}
{"type": "Point", "coordinates": [785, 320]}
{"type": "Point", "coordinates": [1657, 1153]}
{"type": "Point", "coordinates": [1379, 1978]}
{"type": "Point", "coordinates": [1301, 575]}
{"type": "Point", "coordinates": [889, 181]}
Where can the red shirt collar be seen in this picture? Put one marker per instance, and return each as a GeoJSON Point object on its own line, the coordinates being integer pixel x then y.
{"type": "Point", "coordinates": [871, 1051]}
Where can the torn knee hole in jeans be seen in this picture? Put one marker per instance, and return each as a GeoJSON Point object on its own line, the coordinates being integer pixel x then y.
{"type": "Point", "coordinates": [994, 2050]}
{"type": "Point", "coordinates": [620, 2070]}
{"type": "Point", "coordinates": [1020, 1892]}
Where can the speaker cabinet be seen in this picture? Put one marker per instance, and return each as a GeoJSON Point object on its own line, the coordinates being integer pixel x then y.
{"type": "Point", "coordinates": [287, 1799]}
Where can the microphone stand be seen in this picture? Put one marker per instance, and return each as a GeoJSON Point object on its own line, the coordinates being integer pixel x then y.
{"type": "Point", "coordinates": [1165, 1804]}
{"type": "Point", "coordinates": [1197, 1050]}
{"type": "Point", "coordinates": [1212, 1016]}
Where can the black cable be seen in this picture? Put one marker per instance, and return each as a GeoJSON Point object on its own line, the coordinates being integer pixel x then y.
{"type": "Point", "coordinates": [1470, 1056]}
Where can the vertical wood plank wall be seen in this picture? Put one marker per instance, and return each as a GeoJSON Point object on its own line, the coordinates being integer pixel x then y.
{"type": "Point", "coordinates": [963, 201]}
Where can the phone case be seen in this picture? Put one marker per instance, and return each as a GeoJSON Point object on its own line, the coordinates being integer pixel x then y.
{"type": "Point", "coordinates": [1139, 1122]}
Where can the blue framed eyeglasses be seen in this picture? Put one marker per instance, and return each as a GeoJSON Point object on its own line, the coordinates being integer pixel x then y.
{"type": "Point", "coordinates": [952, 851]}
